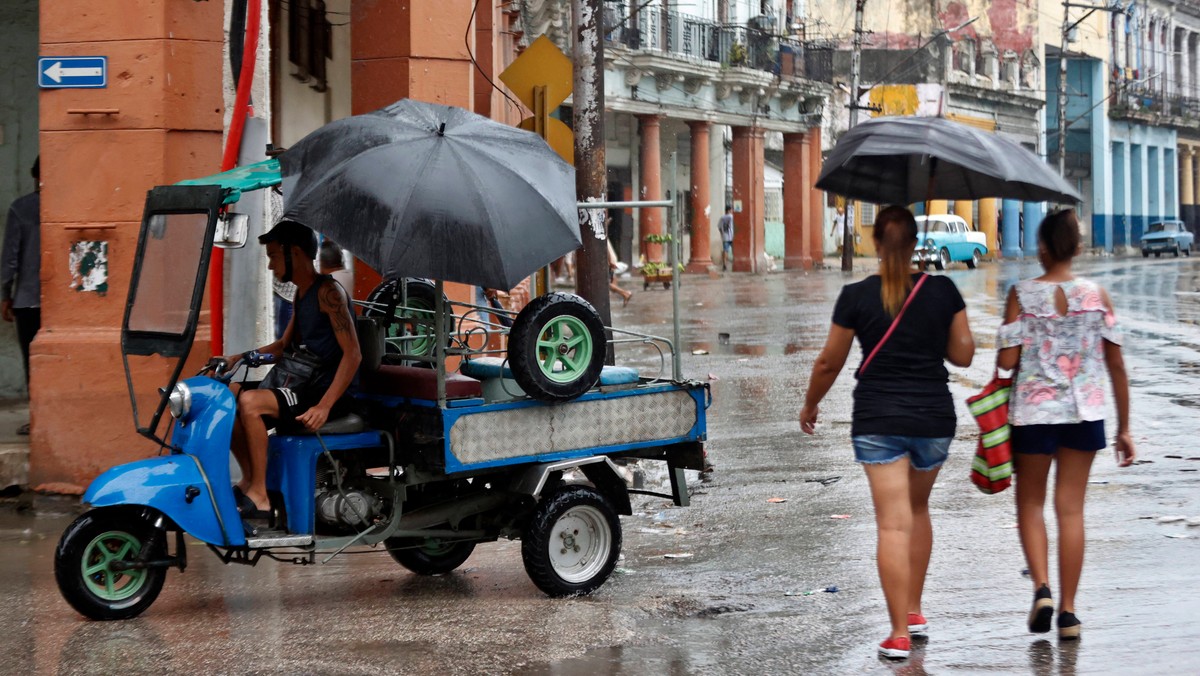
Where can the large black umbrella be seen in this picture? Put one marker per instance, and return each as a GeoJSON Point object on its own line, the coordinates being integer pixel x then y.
{"type": "Point", "coordinates": [905, 160]}
{"type": "Point", "coordinates": [424, 190]}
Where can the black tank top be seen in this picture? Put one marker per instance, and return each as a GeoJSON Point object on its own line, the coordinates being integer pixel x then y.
{"type": "Point", "coordinates": [314, 332]}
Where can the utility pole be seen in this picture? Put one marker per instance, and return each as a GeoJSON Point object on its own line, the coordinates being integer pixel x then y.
{"type": "Point", "coordinates": [1068, 26]}
{"type": "Point", "coordinates": [587, 113]}
{"type": "Point", "coordinates": [855, 68]}
{"type": "Point", "coordinates": [1062, 92]}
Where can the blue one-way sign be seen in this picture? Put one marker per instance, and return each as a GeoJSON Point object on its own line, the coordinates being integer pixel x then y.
{"type": "Point", "coordinates": [67, 72]}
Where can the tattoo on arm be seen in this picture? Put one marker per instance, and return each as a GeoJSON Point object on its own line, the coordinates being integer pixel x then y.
{"type": "Point", "coordinates": [333, 303]}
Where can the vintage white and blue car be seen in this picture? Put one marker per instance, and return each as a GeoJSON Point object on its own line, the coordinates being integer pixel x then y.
{"type": "Point", "coordinates": [944, 238]}
{"type": "Point", "coordinates": [1167, 237]}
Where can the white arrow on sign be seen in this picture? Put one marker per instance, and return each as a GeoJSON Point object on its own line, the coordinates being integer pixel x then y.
{"type": "Point", "coordinates": [56, 72]}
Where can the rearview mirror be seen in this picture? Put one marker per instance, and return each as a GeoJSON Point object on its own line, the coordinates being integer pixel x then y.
{"type": "Point", "coordinates": [231, 231]}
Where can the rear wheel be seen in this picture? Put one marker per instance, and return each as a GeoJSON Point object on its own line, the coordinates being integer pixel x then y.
{"type": "Point", "coordinates": [84, 564]}
{"type": "Point", "coordinates": [1145, 254]}
{"type": "Point", "coordinates": [572, 542]}
{"type": "Point", "coordinates": [1187, 251]}
{"type": "Point", "coordinates": [973, 262]}
{"type": "Point", "coordinates": [1158, 254]}
{"type": "Point", "coordinates": [1176, 252]}
{"type": "Point", "coordinates": [430, 556]}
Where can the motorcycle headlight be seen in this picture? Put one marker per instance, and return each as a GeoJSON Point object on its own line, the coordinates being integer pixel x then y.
{"type": "Point", "coordinates": [180, 401]}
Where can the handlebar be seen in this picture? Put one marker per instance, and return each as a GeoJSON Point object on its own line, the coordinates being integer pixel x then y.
{"type": "Point", "coordinates": [222, 369]}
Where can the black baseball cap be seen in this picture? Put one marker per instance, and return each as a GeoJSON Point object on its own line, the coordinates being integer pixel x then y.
{"type": "Point", "coordinates": [292, 233]}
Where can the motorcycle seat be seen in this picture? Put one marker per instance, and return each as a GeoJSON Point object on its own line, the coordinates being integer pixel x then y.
{"type": "Point", "coordinates": [347, 424]}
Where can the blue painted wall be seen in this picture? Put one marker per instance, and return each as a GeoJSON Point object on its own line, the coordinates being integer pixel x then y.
{"type": "Point", "coordinates": [1145, 179]}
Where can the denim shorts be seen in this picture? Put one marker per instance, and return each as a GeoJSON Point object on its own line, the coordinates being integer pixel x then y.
{"type": "Point", "coordinates": [924, 453]}
{"type": "Point", "coordinates": [1047, 439]}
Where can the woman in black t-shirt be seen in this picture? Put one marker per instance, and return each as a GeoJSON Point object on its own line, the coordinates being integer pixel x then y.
{"type": "Point", "coordinates": [903, 418]}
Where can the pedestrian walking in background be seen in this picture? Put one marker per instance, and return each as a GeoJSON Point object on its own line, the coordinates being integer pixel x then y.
{"type": "Point", "coordinates": [1057, 408]}
{"type": "Point", "coordinates": [903, 420]}
{"type": "Point", "coordinates": [20, 269]}
{"type": "Point", "coordinates": [725, 228]}
{"type": "Point", "coordinates": [838, 232]}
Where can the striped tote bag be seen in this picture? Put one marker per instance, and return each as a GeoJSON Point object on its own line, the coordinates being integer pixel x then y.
{"type": "Point", "coordinates": [991, 470]}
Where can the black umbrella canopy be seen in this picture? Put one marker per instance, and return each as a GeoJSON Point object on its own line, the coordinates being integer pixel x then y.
{"type": "Point", "coordinates": [424, 190]}
{"type": "Point", "coordinates": [905, 160]}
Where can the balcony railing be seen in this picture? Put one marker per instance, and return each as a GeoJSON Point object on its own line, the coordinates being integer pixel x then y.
{"type": "Point", "coordinates": [1148, 99]}
{"type": "Point", "coordinates": [731, 45]}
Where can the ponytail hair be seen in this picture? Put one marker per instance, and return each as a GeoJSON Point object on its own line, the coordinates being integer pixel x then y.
{"type": "Point", "coordinates": [895, 236]}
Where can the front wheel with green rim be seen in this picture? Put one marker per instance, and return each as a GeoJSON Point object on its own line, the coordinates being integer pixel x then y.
{"type": "Point", "coordinates": [556, 347]}
{"type": "Point", "coordinates": [84, 570]}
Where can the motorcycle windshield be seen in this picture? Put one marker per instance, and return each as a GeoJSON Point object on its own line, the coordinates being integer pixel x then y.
{"type": "Point", "coordinates": [166, 292]}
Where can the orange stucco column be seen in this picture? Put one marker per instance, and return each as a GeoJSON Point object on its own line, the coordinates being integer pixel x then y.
{"type": "Point", "coordinates": [411, 50]}
{"type": "Point", "coordinates": [748, 191]}
{"type": "Point", "coordinates": [164, 69]}
{"type": "Point", "coordinates": [701, 258]}
{"type": "Point", "coordinates": [816, 202]}
{"type": "Point", "coordinates": [989, 224]}
{"type": "Point", "coordinates": [796, 195]}
{"type": "Point", "coordinates": [650, 221]}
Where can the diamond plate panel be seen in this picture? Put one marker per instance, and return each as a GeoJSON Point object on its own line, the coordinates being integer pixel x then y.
{"type": "Point", "coordinates": [498, 435]}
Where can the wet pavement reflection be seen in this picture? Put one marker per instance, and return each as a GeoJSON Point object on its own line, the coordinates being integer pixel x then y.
{"type": "Point", "coordinates": [737, 582]}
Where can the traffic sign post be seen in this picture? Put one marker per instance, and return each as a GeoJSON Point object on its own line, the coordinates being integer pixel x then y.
{"type": "Point", "coordinates": [73, 72]}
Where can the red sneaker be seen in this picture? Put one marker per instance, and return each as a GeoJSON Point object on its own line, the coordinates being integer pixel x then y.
{"type": "Point", "coordinates": [896, 648]}
{"type": "Point", "coordinates": [917, 624]}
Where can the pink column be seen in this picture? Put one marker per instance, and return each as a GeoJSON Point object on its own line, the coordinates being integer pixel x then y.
{"type": "Point", "coordinates": [701, 258]}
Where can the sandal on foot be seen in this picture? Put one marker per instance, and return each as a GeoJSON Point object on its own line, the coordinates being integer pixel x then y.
{"type": "Point", "coordinates": [243, 502]}
{"type": "Point", "coordinates": [1043, 610]}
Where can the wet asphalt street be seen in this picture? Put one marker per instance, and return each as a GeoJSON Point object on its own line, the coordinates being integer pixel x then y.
{"type": "Point", "coordinates": [718, 587]}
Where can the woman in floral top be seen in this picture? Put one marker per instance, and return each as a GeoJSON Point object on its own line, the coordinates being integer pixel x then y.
{"type": "Point", "coordinates": [1062, 337]}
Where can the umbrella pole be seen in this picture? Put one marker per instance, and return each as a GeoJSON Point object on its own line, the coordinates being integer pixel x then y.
{"type": "Point", "coordinates": [439, 347]}
{"type": "Point", "coordinates": [929, 184]}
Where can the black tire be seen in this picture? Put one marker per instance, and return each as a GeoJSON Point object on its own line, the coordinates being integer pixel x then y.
{"type": "Point", "coordinates": [943, 259]}
{"type": "Point", "coordinates": [99, 533]}
{"type": "Point", "coordinates": [1187, 251]}
{"type": "Point", "coordinates": [422, 300]}
{"type": "Point", "coordinates": [1158, 254]}
{"type": "Point", "coordinates": [1177, 251]}
{"type": "Point", "coordinates": [973, 261]}
{"type": "Point", "coordinates": [1145, 254]}
{"type": "Point", "coordinates": [572, 542]}
{"type": "Point", "coordinates": [431, 556]}
{"type": "Point", "coordinates": [546, 362]}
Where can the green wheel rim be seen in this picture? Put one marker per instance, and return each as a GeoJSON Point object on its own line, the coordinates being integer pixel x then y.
{"type": "Point", "coordinates": [564, 349]}
{"type": "Point", "coordinates": [436, 547]}
{"type": "Point", "coordinates": [419, 343]}
{"type": "Point", "coordinates": [98, 556]}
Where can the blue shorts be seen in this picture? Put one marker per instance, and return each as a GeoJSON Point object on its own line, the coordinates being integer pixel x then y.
{"type": "Point", "coordinates": [728, 246]}
{"type": "Point", "coordinates": [924, 453]}
{"type": "Point", "coordinates": [1047, 439]}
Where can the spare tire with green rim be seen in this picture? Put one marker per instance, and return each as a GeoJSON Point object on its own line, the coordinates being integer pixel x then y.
{"type": "Point", "coordinates": [556, 347]}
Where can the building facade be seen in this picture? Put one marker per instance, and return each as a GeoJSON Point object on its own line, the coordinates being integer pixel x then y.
{"type": "Point", "coordinates": [701, 99]}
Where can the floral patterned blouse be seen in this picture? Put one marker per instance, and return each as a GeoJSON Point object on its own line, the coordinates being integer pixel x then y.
{"type": "Point", "coordinates": [1062, 374]}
